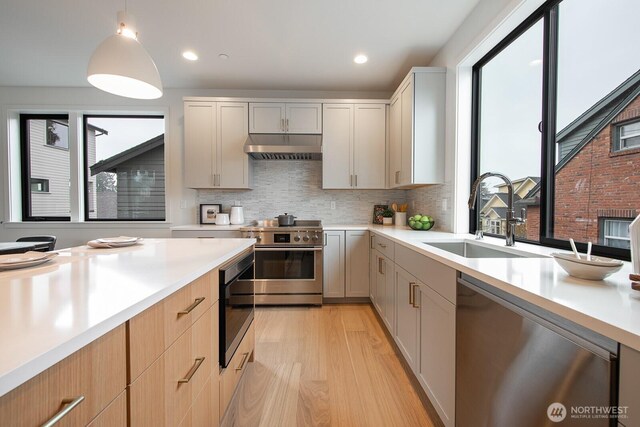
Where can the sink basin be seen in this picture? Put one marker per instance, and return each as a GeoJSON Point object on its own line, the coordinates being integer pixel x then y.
{"type": "Point", "coordinates": [469, 249]}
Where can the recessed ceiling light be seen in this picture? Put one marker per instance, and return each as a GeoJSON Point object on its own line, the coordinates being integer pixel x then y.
{"type": "Point", "coordinates": [190, 55]}
{"type": "Point", "coordinates": [223, 56]}
{"type": "Point", "coordinates": [360, 59]}
{"type": "Point", "coordinates": [535, 62]}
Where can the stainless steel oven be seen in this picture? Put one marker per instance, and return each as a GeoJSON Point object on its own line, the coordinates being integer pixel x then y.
{"type": "Point", "coordinates": [236, 304]}
{"type": "Point", "coordinates": [288, 264]}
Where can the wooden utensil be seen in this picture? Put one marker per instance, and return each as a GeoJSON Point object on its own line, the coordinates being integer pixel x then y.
{"type": "Point", "coordinates": [634, 277]}
{"type": "Point", "coordinates": [635, 286]}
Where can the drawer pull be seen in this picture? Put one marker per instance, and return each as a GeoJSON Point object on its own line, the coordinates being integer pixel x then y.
{"type": "Point", "coordinates": [381, 245]}
{"type": "Point", "coordinates": [192, 371]}
{"type": "Point", "coordinates": [192, 306]}
{"type": "Point", "coordinates": [415, 301]}
{"type": "Point", "coordinates": [411, 294]}
{"type": "Point", "coordinates": [245, 356]}
{"type": "Point", "coordinates": [69, 405]}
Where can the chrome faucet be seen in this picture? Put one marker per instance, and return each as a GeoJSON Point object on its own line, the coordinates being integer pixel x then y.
{"type": "Point", "coordinates": [512, 220]}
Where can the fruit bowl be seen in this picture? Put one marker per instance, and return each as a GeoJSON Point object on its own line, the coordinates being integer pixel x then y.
{"type": "Point", "coordinates": [421, 222]}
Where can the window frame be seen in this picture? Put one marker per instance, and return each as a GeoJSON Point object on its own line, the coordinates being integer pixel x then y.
{"type": "Point", "coordinates": [25, 164]}
{"type": "Point", "coordinates": [85, 166]}
{"type": "Point", "coordinates": [602, 224]}
{"type": "Point", "coordinates": [548, 13]}
{"type": "Point", "coordinates": [617, 139]}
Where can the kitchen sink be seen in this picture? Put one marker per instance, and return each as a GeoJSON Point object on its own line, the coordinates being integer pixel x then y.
{"type": "Point", "coordinates": [469, 249]}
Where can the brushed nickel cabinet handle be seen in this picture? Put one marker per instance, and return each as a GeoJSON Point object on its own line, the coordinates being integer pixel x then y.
{"type": "Point", "coordinates": [287, 125]}
{"type": "Point", "coordinates": [380, 266]}
{"type": "Point", "coordinates": [69, 405]}
{"type": "Point", "coordinates": [397, 176]}
{"type": "Point", "coordinates": [192, 306]}
{"type": "Point", "coordinates": [282, 124]}
{"type": "Point", "coordinates": [245, 356]}
{"type": "Point", "coordinates": [382, 246]}
{"type": "Point", "coordinates": [415, 301]}
{"type": "Point", "coordinates": [192, 371]}
{"type": "Point", "coordinates": [356, 180]}
{"type": "Point", "coordinates": [411, 284]}
{"type": "Point", "coordinates": [213, 179]}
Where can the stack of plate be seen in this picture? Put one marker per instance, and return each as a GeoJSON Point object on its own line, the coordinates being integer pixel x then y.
{"type": "Point", "coordinates": [114, 242]}
{"type": "Point", "coordinates": [27, 259]}
{"type": "Point", "coordinates": [595, 269]}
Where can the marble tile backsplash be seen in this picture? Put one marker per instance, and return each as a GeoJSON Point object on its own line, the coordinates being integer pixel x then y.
{"type": "Point", "coordinates": [295, 187]}
{"type": "Point", "coordinates": [430, 200]}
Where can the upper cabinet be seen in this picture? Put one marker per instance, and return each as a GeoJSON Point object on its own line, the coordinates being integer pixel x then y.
{"type": "Point", "coordinates": [354, 146]}
{"type": "Point", "coordinates": [214, 135]}
{"type": "Point", "coordinates": [272, 117]}
{"type": "Point", "coordinates": [417, 129]}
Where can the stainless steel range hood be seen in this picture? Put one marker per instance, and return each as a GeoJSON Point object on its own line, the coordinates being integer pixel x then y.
{"type": "Point", "coordinates": [262, 146]}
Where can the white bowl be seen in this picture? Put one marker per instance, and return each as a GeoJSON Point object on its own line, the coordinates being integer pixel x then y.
{"type": "Point", "coordinates": [583, 269]}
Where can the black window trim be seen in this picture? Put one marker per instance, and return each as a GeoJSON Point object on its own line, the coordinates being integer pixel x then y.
{"type": "Point", "coordinates": [25, 163]}
{"type": "Point", "coordinates": [85, 166]}
{"type": "Point", "coordinates": [548, 13]}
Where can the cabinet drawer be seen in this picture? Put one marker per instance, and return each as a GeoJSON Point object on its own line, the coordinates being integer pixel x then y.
{"type": "Point", "coordinates": [174, 380]}
{"type": "Point", "coordinates": [384, 245]}
{"type": "Point", "coordinates": [155, 329]}
{"type": "Point", "coordinates": [96, 371]}
{"type": "Point", "coordinates": [201, 413]}
{"type": "Point", "coordinates": [231, 375]}
{"type": "Point", "coordinates": [113, 415]}
{"type": "Point", "coordinates": [437, 276]}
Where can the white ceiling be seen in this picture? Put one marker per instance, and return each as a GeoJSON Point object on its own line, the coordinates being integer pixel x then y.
{"type": "Point", "coordinates": [276, 44]}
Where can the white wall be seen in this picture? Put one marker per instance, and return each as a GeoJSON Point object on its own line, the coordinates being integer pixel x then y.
{"type": "Point", "coordinates": [488, 23]}
{"type": "Point", "coordinates": [43, 100]}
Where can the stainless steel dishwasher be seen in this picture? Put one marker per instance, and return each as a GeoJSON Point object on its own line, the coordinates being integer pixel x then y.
{"type": "Point", "coordinates": [515, 362]}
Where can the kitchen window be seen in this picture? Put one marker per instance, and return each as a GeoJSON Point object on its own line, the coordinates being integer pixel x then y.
{"type": "Point", "coordinates": [627, 136]}
{"type": "Point", "coordinates": [615, 233]}
{"type": "Point", "coordinates": [45, 171]}
{"type": "Point", "coordinates": [124, 168]}
{"type": "Point", "coordinates": [548, 110]}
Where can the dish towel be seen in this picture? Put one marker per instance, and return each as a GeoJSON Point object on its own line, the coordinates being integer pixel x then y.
{"type": "Point", "coordinates": [634, 234]}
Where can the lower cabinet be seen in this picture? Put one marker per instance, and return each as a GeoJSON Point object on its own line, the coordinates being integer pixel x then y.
{"type": "Point", "coordinates": [230, 377]}
{"type": "Point", "coordinates": [385, 289]}
{"type": "Point", "coordinates": [407, 332]}
{"type": "Point", "coordinates": [346, 264]}
{"type": "Point", "coordinates": [113, 415]}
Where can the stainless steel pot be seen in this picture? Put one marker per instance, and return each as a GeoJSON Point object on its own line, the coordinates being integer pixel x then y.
{"type": "Point", "coordinates": [286, 220]}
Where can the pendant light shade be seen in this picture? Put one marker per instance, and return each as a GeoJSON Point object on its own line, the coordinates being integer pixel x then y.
{"type": "Point", "coordinates": [121, 66]}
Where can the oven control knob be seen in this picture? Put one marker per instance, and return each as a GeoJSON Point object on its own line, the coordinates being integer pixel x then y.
{"type": "Point", "coordinates": [297, 238]}
{"type": "Point", "coordinates": [258, 238]}
{"type": "Point", "coordinates": [306, 238]}
{"type": "Point", "coordinates": [314, 237]}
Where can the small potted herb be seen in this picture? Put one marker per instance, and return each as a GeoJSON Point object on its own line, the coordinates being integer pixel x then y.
{"type": "Point", "coordinates": [387, 217]}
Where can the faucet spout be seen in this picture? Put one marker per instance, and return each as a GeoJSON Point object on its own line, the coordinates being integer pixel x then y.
{"type": "Point", "coordinates": [511, 219]}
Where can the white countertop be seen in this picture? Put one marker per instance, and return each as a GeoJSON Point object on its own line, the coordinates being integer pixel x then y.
{"type": "Point", "coordinates": [50, 311]}
{"type": "Point", "coordinates": [207, 227]}
{"type": "Point", "coordinates": [609, 307]}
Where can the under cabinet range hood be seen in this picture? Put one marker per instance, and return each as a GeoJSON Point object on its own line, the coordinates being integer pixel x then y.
{"type": "Point", "coordinates": [264, 146]}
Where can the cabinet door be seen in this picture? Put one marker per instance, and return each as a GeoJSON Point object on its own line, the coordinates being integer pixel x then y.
{"type": "Point", "coordinates": [337, 146]}
{"type": "Point", "coordinates": [406, 162]}
{"type": "Point", "coordinates": [395, 141]}
{"type": "Point", "coordinates": [373, 276]}
{"type": "Point", "coordinates": [266, 117]}
{"type": "Point", "coordinates": [199, 144]}
{"type": "Point", "coordinates": [357, 264]}
{"type": "Point", "coordinates": [303, 118]}
{"type": "Point", "coordinates": [232, 161]}
{"type": "Point", "coordinates": [333, 264]}
{"type": "Point", "coordinates": [369, 153]}
{"type": "Point", "coordinates": [436, 370]}
{"type": "Point", "coordinates": [407, 316]}
{"type": "Point", "coordinates": [389, 289]}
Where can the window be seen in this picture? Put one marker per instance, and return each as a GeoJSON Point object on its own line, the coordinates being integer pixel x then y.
{"type": "Point", "coordinates": [627, 136]}
{"type": "Point", "coordinates": [124, 168]}
{"type": "Point", "coordinates": [579, 108]}
{"type": "Point", "coordinates": [615, 233]}
{"type": "Point", "coordinates": [45, 172]}
{"type": "Point", "coordinates": [39, 185]}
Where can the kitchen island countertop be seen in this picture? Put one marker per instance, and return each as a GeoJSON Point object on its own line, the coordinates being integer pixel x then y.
{"type": "Point", "coordinates": [50, 311]}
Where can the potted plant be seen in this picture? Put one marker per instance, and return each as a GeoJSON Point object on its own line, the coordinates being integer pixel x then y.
{"type": "Point", "coordinates": [387, 217]}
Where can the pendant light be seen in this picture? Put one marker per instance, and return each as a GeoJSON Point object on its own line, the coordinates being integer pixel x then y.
{"type": "Point", "coordinates": [120, 65]}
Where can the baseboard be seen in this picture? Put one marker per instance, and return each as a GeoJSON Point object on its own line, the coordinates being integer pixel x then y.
{"type": "Point", "coordinates": [347, 300]}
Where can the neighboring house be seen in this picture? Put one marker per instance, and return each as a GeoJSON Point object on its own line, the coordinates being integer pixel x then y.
{"type": "Point", "coordinates": [139, 183]}
{"type": "Point", "coordinates": [49, 157]}
{"type": "Point", "coordinates": [597, 186]}
{"type": "Point", "coordinates": [494, 209]}
{"type": "Point", "coordinates": [521, 187]}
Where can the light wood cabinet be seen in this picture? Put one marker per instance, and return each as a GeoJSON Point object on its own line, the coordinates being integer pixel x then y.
{"type": "Point", "coordinates": [113, 415]}
{"type": "Point", "coordinates": [272, 117]}
{"type": "Point", "coordinates": [436, 367]}
{"type": "Point", "coordinates": [357, 263]}
{"type": "Point", "coordinates": [417, 129]}
{"type": "Point", "coordinates": [354, 146]}
{"type": "Point", "coordinates": [214, 137]}
{"type": "Point", "coordinates": [96, 372]}
{"type": "Point", "coordinates": [231, 375]}
{"type": "Point", "coordinates": [333, 265]}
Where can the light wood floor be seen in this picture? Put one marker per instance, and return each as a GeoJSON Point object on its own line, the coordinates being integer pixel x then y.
{"type": "Point", "coordinates": [324, 366]}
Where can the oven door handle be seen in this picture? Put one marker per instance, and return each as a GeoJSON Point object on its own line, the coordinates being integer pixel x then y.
{"type": "Point", "coordinates": [259, 249]}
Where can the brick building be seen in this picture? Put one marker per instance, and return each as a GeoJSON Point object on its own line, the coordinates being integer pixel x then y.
{"type": "Point", "coordinates": [597, 186]}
